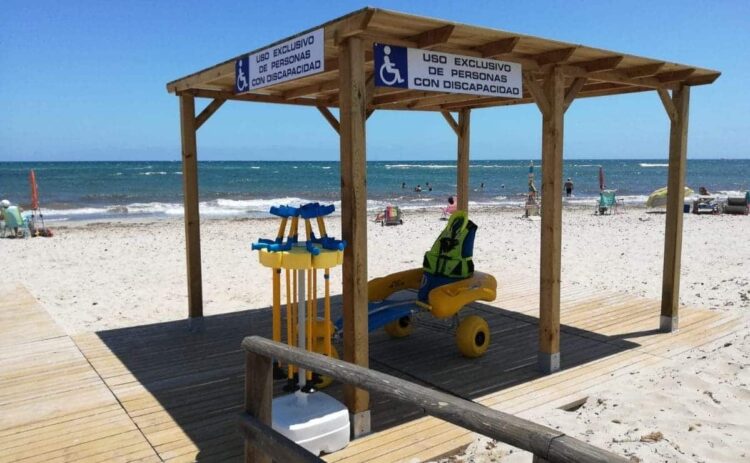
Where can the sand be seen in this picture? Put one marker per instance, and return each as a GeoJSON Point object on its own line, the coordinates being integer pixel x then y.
{"type": "Point", "coordinates": [695, 408]}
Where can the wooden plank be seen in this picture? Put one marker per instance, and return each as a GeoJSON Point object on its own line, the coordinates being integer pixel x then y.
{"type": "Point", "coordinates": [451, 122]}
{"type": "Point", "coordinates": [572, 91]}
{"type": "Point", "coordinates": [498, 47]}
{"type": "Point", "coordinates": [433, 37]}
{"type": "Point", "coordinates": [669, 107]}
{"type": "Point", "coordinates": [538, 93]}
{"type": "Point", "coordinates": [354, 212]}
{"type": "Point", "coordinates": [192, 215]}
{"type": "Point", "coordinates": [551, 251]}
{"type": "Point", "coordinates": [554, 56]}
{"type": "Point", "coordinates": [330, 118]}
{"type": "Point", "coordinates": [208, 111]}
{"type": "Point", "coordinates": [670, 298]}
{"type": "Point", "coordinates": [462, 178]}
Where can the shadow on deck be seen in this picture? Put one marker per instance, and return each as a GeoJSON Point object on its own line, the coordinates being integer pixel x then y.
{"type": "Point", "coordinates": [184, 390]}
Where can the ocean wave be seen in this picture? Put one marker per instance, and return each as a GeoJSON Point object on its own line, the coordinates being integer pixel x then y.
{"type": "Point", "coordinates": [586, 165]}
{"type": "Point", "coordinates": [255, 167]}
{"type": "Point", "coordinates": [646, 164]}
{"type": "Point", "coordinates": [151, 172]}
{"type": "Point", "coordinates": [419, 166]}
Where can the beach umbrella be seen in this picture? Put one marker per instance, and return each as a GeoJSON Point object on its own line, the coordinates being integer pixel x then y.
{"type": "Point", "coordinates": [34, 190]}
{"type": "Point", "coordinates": [601, 178]}
{"type": "Point", "coordinates": [37, 219]}
{"type": "Point", "coordinates": [659, 197]}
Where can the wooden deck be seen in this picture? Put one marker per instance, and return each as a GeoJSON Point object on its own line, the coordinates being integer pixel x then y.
{"type": "Point", "coordinates": [160, 393]}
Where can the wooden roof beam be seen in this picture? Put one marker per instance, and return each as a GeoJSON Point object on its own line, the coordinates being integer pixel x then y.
{"type": "Point", "coordinates": [353, 25]}
{"type": "Point", "coordinates": [433, 37]}
{"type": "Point", "coordinates": [560, 55]}
{"type": "Point", "coordinates": [702, 80]}
{"type": "Point", "coordinates": [498, 47]}
{"type": "Point", "coordinates": [252, 97]}
{"type": "Point", "coordinates": [601, 64]}
{"type": "Point", "coordinates": [643, 70]}
{"type": "Point", "coordinates": [675, 76]}
{"type": "Point", "coordinates": [485, 102]}
{"type": "Point", "coordinates": [202, 77]}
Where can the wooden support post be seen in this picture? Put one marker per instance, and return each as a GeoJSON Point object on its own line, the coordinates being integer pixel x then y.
{"type": "Point", "coordinates": [670, 293]}
{"type": "Point", "coordinates": [462, 179]}
{"type": "Point", "coordinates": [352, 97]}
{"type": "Point", "coordinates": [552, 161]}
{"type": "Point", "coordinates": [192, 217]}
{"type": "Point", "coordinates": [258, 397]}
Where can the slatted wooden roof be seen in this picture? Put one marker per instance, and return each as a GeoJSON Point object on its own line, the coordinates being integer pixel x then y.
{"type": "Point", "coordinates": [605, 72]}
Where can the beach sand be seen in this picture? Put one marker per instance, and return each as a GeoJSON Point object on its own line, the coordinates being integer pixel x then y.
{"type": "Point", "coordinates": [108, 275]}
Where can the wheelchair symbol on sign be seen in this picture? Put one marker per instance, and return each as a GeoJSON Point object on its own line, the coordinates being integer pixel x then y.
{"type": "Point", "coordinates": [242, 83]}
{"type": "Point", "coordinates": [388, 68]}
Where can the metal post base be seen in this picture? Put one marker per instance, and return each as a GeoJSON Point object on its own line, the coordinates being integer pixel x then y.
{"type": "Point", "coordinates": [196, 325]}
{"type": "Point", "coordinates": [668, 324]}
{"type": "Point", "coordinates": [360, 423]}
{"type": "Point", "coordinates": [548, 363]}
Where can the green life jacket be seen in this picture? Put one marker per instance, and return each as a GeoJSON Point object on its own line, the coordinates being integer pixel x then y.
{"type": "Point", "coordinates": [451, 254]}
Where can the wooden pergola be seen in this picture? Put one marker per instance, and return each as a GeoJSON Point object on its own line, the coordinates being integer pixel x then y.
{"type": "Point", "coordinates": [554, 75]}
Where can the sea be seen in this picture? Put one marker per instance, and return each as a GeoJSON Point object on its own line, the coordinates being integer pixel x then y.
{"type": "Point", "coordinates": [70, 191]}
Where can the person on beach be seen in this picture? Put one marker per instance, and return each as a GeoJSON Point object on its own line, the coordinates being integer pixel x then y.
{"type": "Point", "coordinates": [403, 185]}
{"type": "Point", "coordinates": [418, 188]}
{"type": "Point", "coordinates": [429, 188]}
{"type": "Point", "coordinates": [10, 214]}
{"type": "Point", "coordinates": [569, 187]}
{"type": "Point", "coordinates": [703, 191]}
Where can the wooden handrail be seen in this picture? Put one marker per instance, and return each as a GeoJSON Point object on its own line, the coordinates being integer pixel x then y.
{"type": "Point", "coordinates": [544, 442]}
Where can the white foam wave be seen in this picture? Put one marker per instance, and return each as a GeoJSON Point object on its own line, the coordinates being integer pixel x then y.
{"type": "Point", "coordinates": [646, 164]}
{"type": "Point", "coordinates": [419, 166]}
{"type": "Point", "coordinates": [161, 172]}
{"type": "Point", "coordinates": [255, 167]}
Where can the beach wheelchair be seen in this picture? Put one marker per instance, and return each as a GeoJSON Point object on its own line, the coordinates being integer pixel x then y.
{"type": "Point", "coordinates": [434, 294]}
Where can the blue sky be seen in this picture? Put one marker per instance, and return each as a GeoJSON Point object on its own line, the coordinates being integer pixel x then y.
{"type": "Point", "coordinates": [86, 80]}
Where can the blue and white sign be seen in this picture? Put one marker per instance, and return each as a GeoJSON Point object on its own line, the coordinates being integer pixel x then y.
{"type": "Point", "coordinates": [294, 58]}
{"type": "Point", "coordinates": [435, 71]}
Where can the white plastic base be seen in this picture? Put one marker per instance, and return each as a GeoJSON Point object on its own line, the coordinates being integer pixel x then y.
{"type": "Point", "coordinates": [317, 421]}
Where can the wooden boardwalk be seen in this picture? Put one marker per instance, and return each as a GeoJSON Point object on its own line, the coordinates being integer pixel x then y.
{"type": "Point", "coordinates": [159, 392]}
{"type": "Point", "coordinates": [54, 407]}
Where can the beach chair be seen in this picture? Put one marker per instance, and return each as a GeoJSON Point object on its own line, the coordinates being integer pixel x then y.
{"type": "Point", "coordinates": [391, 216]}
{"type": "Point", "coordinates": [607, 202]}
{"type": "Point", "coordinates": [738, 205]}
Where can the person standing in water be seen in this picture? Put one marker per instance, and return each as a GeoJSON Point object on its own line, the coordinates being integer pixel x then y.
{"type": "Point", "coordinates": [569, 187]}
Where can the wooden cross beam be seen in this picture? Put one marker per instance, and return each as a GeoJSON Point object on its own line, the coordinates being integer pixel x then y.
{"type": "Point", "coordinates": [451, 121]}
{"type": "Point", "coordinates": [330, 118]}
{"type": "Point", "coordinates": [208, 111]}
{"type": "Point", "coordinates": [572, 92]}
